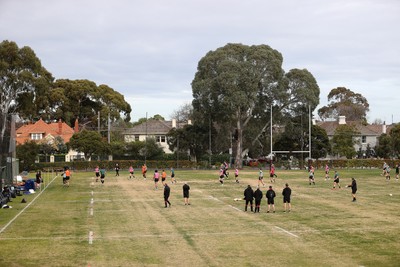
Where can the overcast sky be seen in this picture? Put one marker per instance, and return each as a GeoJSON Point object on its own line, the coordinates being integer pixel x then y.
{"type": "Point", "coordinates": [149, 50]}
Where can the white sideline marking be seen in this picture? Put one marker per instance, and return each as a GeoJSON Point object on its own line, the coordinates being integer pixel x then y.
{"type": "Point", "coordinates": [91, 193]}
{"type": "Point", "coordinates": [91, 211]}
{"type": "Point", "coordinates": [90, 237]}
{"type": "Point", "coordinates": [287, 232]}
{"type": "Point", "coordinates": [235, 208]}
{"type": "Point", "coordinates": [91, 201]}
{"type": "Point", "coordinates": [27, 206]}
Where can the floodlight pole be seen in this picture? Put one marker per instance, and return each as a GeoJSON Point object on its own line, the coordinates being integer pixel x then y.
{"type": "Point", "coordinates": [309, 131]}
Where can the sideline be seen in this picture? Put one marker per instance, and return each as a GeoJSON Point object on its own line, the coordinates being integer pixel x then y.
{"type": "Point", "coordinates": [27, 206]}
{"type": "Point", "coordinates": [285, 231]}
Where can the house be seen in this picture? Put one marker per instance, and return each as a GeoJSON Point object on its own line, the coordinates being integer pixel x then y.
{"type": "Point", "coordinates": [41, 131]}
{"type": "Point", "coordinates": [368, 134]}
{"type": "Point", "coordinates": [156, 129]}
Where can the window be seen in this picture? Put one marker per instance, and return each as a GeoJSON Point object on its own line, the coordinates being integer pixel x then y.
{"type": "Point", "coordinates": [136, 137]}
{"type": "Point", "coordinates": [160, 138]}
{"type": "Point", "coordinates": [363, 139]}
{"type": "Point", "coordinates": [36, 136]}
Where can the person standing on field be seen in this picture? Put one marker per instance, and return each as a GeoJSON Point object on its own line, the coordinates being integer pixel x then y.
{"type": "Point", "coordinates": [186, 189]}
{"type": "Point", "coordinates": [397, 172]}
{"type": "Point", "coordinates": [173, 180]}
{"type": "Point", "coordinates": [353, 186]}
{"type": "Point", "coordinates": [272, 174]}
{"type": "Point", "coordinates": [258, 195]}
{"type": "Point", "coordinates": [167, 191]}
{"type": "Point", "coordinates": [144, 171]}
{"type": "Point", "coordinates": [97, 173]}
{"type": "Point", "coordinates": [163, 176]}
{"type": "Point", "coordinates": [156, 178]}
{"type": "Point", "coordinates": [116, 169]}
{"type": "Point", "coordinates": [237, 175]}
{"type": "Point", "coordinates": [261, 178]}
{"type": "Point", "coordinates": [248, 197]}
{"type": "Point", "coordinates": [270, 195]}
{"type": "Point", "coordinates": [311, 178]}
{"type": "Point", "coordinates": [131, 172]}
{"type": "Point", "coordinates": [102, 175]}
{"type": "Point", "coordinates": [326, 172]}
{"type": "Point", "coordinates": [287, 192]}
{"type": "Point", "coordinates": [221, 176]}
{"type": "Point", "coordinates": [336, 180]}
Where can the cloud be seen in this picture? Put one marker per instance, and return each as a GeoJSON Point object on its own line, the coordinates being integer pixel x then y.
{"type": "Point", "coordinates": [149, 50]}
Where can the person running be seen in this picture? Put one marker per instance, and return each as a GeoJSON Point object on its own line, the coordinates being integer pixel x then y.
{"type": "Point", "coordinates": [67, 176]}
{"type": "Point", "coordinates": [163, 176]}
{"type": "Point", "coordinates": [156, 178]}
{"type": "Point", "coordinates": [336, 180]}
{"type": "Point", "coordinates": [270, 195]}
{"type": "Point", "coordinates": [248, 197]}
{"type": "Point", "coordinates": [131, 172]}
{"type": "Point", "coordinates": [387, 173]}
{"type": "Point", "coordinates": [272, 174]}
{"type": "Point", "coordinates": [97, 173]}
{"type": "Point", "coordinates": [397, 172]}
{"type": "Point", "coordinates": [311, 178]}
{"type": "Point", "coordinates": [38, 178]}
{"type": "Point", "coordinates": [261, 178]}
{"type": "Point", "coordinates": [221, 176]}
{"type": "Point", "coordinates": [167, 191]}
{"type": "Point", "coordinates": [225, 168]}
{"type": "Point", "coordinates": [102, 175]}
{"type": "Point", "coordinates": [144, 171]}
{"type": "Point", "coordinates": [173, 180]}
{"type": "Point", "coordinates": [326, 172]}
{"type": "Point", "coordinates": [116, 169]}
{"type": "Point", "coordinates": [286, 192]}
{"type": "Point", "coordinates": [237, 175]}
{"type": "Point", "coordinates": [353, 186]}
{"type": "Point", "coordinates": [384, 168]}
{"type": "Point", "coordinates": [186, 189]}
{"type": "Point", "coordinates": [258, 195]}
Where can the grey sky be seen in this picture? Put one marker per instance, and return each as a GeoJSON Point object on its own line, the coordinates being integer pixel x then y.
{"type": "Point", "coordinates": [148, 50]}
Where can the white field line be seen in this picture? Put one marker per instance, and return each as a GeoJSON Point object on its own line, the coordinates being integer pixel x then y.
{"type": "Point", "coordinates": [285, 231]}
{"type": "Point", "coordinates": [90, 237]}
{"type": "Point", "coordinates": [27, 206]}
{"type": "Point", "coordinates": [235, 208]}
{"type": "Point", "coordinates": [91, 212]}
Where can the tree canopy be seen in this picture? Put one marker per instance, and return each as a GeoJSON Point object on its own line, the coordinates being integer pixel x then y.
{"type": "Point", "coordinates": [236, 85]}
{"type": "Point", "coordinates": [344, 102]}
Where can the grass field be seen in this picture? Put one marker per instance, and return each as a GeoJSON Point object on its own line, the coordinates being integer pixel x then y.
{"type": "Point", "coordinates": [124, 223]}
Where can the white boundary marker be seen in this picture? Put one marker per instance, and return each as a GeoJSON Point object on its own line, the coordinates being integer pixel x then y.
{"type": "Point", "coordinates": [90, 237]}
{"type": "Point", "coordinates": [27, 206]}
{"type": "Point", "coordinates": [285, 231]}
{"type": "Point", "coordinates": [235, 208]}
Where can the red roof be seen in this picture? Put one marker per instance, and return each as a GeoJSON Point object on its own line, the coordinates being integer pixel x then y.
{"type": "Point", "coordinates": [40, 127]}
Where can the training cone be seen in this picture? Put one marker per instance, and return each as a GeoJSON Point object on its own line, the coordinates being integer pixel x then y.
{"type": "Point", "coordinates": [23, 200]}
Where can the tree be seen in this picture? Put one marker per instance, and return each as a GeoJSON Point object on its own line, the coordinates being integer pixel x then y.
{"type": "Point", "coordinates": [344, 102]}
{"type": "Point", "coordinates": [192, 138]}
{"type": "Point", "coordinates": [343, 141]}
{"type": "Point", "coordinates": [83, 99]}
{"type": "Point", "coordinates": [23, 82]}
{"type": "Point", "coordinates": [27, 154]}
{"type": "Point", "coordinates": [184, 113]}
{"type": "Point", "coordinates": [89, 143]}
{"type": "Point", "coordinates": [384, 147]}
{"type": "Point", "coordinates": [395, 139]}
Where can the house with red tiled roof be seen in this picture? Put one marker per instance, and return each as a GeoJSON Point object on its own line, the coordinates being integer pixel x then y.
{"type": "Point", "coordinates": [41, 131]}
{"type": "Point", "coordinates": [368, 133]}
{"type": "Point", "coordinates": [156, 129]}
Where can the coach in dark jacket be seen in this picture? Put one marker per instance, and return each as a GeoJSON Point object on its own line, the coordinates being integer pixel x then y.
{"type": "Point", "coordinates": [258, 195]}
{"type": "Point", "coordinates": [248, 196]}
{"type": "Point", "coordinates": [167, 190]}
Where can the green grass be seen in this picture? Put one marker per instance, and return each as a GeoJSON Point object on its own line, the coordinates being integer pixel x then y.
{"type": "Point", "coordinates": [132, 228]}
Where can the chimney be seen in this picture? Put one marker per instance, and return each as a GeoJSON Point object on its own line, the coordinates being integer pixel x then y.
{"type": "Point", "coordinates": [173, 123]}
{"type": "Point", "coordinates": [76, 126]}
{"type": "Point", "coordinates": [342, 119]}
{"type": "Point", "coordinates": [384, 127]}
{"type": "Point", "coordinates": [59, 126]}
{"type": "Point", "coordinates": [190, 122]}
